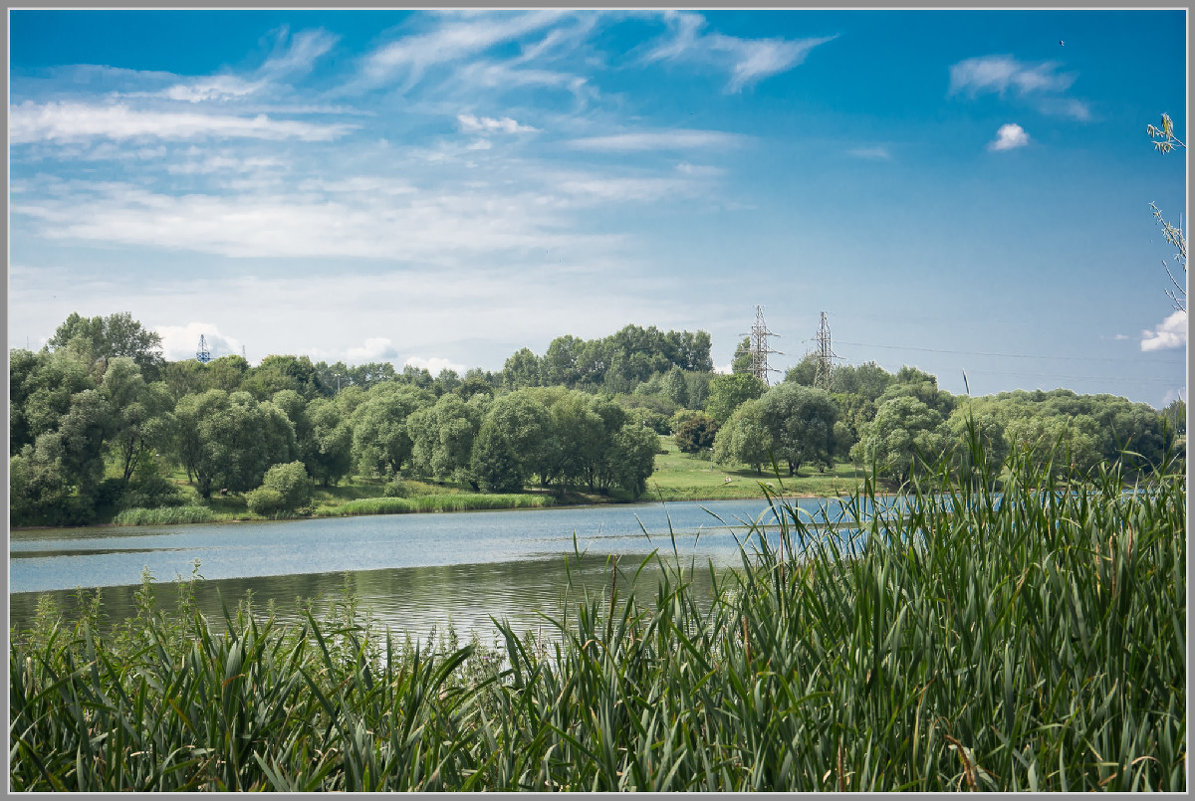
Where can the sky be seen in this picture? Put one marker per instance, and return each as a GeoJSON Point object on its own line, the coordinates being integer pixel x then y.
{"type": "Point", "coordinates": [967, 192]}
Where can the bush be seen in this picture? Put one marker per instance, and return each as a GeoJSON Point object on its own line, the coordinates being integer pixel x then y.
{"type": "Point", "coordinates": [266, 501]}
{"type": "Point", "coordinates": [291, 482]}
{"type": "Point", "coordinates": [396, 488]}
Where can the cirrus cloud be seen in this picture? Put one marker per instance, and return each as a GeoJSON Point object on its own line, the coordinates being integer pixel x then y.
{"type": "Point", "coordinates": [73, 121]}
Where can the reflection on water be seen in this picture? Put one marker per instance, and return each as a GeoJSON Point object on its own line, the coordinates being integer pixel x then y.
{"type": "Point", "coordinates": [412, 572]}
{"type": "Point", "coordinates": [415, 600]}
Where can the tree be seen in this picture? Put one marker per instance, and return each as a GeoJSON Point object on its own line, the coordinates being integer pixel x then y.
{"type": "Point", "coordinates": [138, 413]}
{"type": "Point", "coordinates": [744, 439]}
{"type": "Point", "coordinates": [696, 433]}
{"type": "Point", "coordinates": [728, 391]}
{"type": "Point", "coordinates": [108, 337]}
{"type": "Point", "coordinates": [276, 373]}
{"type": "Point", "coordinates": [513, 437]}
{"type": "Point", "coordinates": [743, 363]}
{"type": "Point", "coordinates": [442, 436]}
{"type": "Point", "coordinates": [522, 369]}
{"type": "Point", "coordinates": [630, 458]}
{"type": "Point", "coordinates": [227, 440]}
{"type": "Point", "coordinates": [331, 458]}
{"type": "Point", "coordinates": [800, 421]}
{"type": "Point", "coordinates": [905, 436]}
{"type": "Point", "coordinates": [803, 372]}
{"type": "Point", "coordinates": [494, 464]}
{"type": "Point", "coordinates": [381, 442]}
{"type": "Point", "coordinates": [676, 388]}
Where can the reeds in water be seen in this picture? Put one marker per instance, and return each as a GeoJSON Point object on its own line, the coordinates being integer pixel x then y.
{"type": "Point", "coordinates": [967, 639]}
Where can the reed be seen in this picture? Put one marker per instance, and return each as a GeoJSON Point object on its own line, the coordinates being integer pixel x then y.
{"type": "Point", "coordinates": [457, 502]}
{"type": "Point", "coordinates": [164, 515]}
{"type": "Point", "coordinates": [966, 639]}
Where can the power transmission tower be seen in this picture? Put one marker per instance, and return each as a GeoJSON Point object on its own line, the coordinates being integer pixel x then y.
{"type": "Point", "coordinates": [825, 356]}
{"type": "Point", "coordinates": [203, 355]}
{"type": "Point", "coordinates": [759, 347]}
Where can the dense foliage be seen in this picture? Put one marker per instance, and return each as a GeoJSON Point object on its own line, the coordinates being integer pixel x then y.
{"type": "Point", "coordinates": [99, 421]}
{"type": "Point", "coordinates": [1031, 639]}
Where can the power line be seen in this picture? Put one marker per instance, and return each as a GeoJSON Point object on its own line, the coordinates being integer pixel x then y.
{"type": "Point", "coordinates": [1006, 355]}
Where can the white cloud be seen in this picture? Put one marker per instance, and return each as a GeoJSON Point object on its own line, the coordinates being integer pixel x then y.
{"type": "Point", "coordinates": [411, 225]}
{"type": "Point", "coordinates": [1040, 83]}
{"type": "Point", "coordinates": [479, 144]}
{"type": "Point", "coordinates": [72, 121]}
{"type": "Point", "coordinates": [435, 365]}
{"type": "Point", "coordinates": [376, 349]}
{"type": "Point", "coordinates": [1172, 333]}
{"type": "Point", "coordinates": [747, 60]}
{"type": "Point", "coordinates": [1121, 337]}
{"type": "Point", "coordinates": [181, 342]}
{"type": "Point", "coordinates": [472, 124]}
{"type": "Point", "coordinates": [452, 41]}
{"type": "Point", "coordinates": [1000, 73]}
{"type": "Point", "coordinates": [1009, 136]}
{"type": "Point", "coordinates": [292, 56]}
{"type": "Point", "coordinates": [679, 139]}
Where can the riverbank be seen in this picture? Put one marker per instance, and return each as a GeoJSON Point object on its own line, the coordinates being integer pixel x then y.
{"type": "Point", "coordinates": [677, 477]}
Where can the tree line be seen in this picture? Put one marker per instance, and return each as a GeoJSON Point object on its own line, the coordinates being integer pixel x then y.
{"type": "Point", "coordinates": [98, 420]}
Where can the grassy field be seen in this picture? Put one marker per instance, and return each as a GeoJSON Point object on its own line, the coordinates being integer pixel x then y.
{"type": "Point", "coordinates": [682, 476]}
{"type": "Point", "coordinates": [1028, 639]}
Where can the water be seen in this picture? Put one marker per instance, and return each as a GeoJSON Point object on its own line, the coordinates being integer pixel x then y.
{"type": "Point", "coordinates": [411, 572]}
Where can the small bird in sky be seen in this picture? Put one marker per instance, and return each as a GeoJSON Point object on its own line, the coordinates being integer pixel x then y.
{"type": "Point", "coordinates": [1061, 43]}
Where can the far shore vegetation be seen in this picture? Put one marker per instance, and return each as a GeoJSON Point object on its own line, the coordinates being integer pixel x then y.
{"type": "Point", "coordinates": [103, 430]}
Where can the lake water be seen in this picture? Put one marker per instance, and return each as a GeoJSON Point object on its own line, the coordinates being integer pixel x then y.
{"type": "Point", "coordinates": [411, 572]}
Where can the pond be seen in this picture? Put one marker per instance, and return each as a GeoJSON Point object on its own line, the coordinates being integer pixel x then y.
{"type": "Point", "coordinates": [412, 572]}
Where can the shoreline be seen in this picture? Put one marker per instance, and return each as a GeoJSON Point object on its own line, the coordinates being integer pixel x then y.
{"type": "Point", "coordinates": [331, 513]}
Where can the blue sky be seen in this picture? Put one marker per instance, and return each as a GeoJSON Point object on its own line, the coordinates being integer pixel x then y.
{"type": "Point", "coordinates": [960, 191]}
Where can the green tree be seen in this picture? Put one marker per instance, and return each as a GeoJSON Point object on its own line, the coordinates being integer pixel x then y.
{"type": "Point", "coordinates": [630, 459]}
{"type": "Point", "coordinates": [331, 458]}
{"type": "Point", "coordinates": [381, 442]}
{"type": "Point", "coordinates": [106, 338]}
{"type": "Point", "coordinates": [522, 369]}
{"type": "Point", "coordinates": [728, 391]}
{"type": "Point", "coordinates": [442, 437]}
{"type": "Point", "coordinates": [696, 433]}
{"type": "Point", "coordinates": [276, 373]}
{"type": "Point", "coordinates": [227, 441]}
{"type": "Point", "coordinates": [676, 388]}
{"type": "Point", "coordinates": [905, 436]}
{"type": "Point", "coordinates": [742, 363]}
{"type": "Point", "coordinates": [744, 439]}
{"type": "Point", "coordinates": [803, 372]}
{"type": "Point", "coordinates": [516, 430]}
{"type": "Point", "coordinates": [800, 421]}
{"type": "Point", "coordinates": [139, 414]}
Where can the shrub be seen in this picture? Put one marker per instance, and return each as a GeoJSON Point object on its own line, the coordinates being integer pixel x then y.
{"type": "Point", "coordinates": [291, 482]}
{"type": "Point", "coordinates": [266, 501]}
{"type": "Point", "coordinates": [396, 488]}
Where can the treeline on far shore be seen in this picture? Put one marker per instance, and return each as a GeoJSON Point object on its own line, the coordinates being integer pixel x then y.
{"type": "Point", "coordinates": [101, 424]}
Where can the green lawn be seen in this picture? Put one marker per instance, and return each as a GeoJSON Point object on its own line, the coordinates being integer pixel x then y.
{"type": "Point", "coordinates": [683, 476]}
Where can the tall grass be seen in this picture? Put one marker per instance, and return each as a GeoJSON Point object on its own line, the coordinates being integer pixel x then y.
{"type": "Point", "coordinates": [164, 515]}
{"type": "Point", "coordinates": [1028, 639]}
{"type": "Point", "coordinates": [461, 502]}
